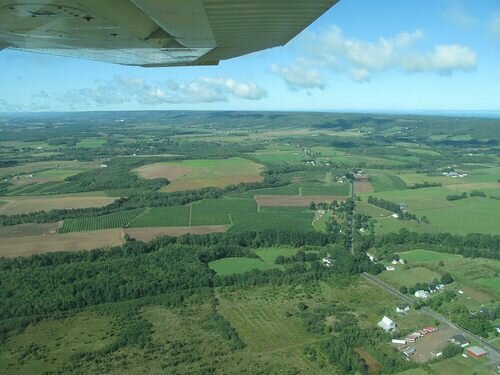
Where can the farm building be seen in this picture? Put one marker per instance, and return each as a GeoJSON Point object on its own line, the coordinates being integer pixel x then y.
{"type": "Point", "coordinates": [390, 268]}
{"type": "Point", "coordinates": [476, 352]}
{"type": "Point", "coordinates": [387, 324]}
{"type": "Point", "coordinates": [460, 340]}
{"type": "Point", "coordinates": [399, 341]}
{"type": "Point", "coordinates": [409, 352]}
{"type": "Point", "coordinates": [422, 294]}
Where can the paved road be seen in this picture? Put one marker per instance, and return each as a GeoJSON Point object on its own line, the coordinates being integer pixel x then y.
{"type": "Point", "coordinates": [494, 353]}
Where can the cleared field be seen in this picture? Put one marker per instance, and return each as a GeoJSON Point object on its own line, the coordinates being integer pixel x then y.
{"type": "Point", "coordinates": [44, 166]}
{"type": "Point", "coordinates": [197, 174]}
{"type": "Point", "coordinates": [217, 211]}
{"type": "Point", "coordinates": [270, 254]}
{"type": "Point", "coordinates": [371, 210]}
{"type": "Point", "coordinates": [91, 143]}
{"type": "Point", "coordinates": [295, 200]}
{"type": "Point", "coordinates": [162, 217]}
{"type": "Point", "coordinates": [20, 205]}
{"type": "Point", "coordinates": [362, 185]}
{"type": "Point", "coordinates": [323, 189]}
{"type": "Point", "coordinates": [228, 266]}
{"type": "Point", "coordinates": [148, 234]}
{"type": "Point", "coordinates": [29, 245]}
{"type": "Point", "coordinates": [421, 255]}
{"type": "Point", "coordinates": [28, 229]}
{"type": "Point", "coordinates": [471, 215]}
{"type": "Point", "coordinates": [387, 183]}
{"type": "Point", "coordinates": [243, 215]}
{"type": "Point", "coordinates": [479, 274]}
{"type": "Point", "coordinates": [409, 277]}
{"type": "Point", "coordinates": [115, 220]}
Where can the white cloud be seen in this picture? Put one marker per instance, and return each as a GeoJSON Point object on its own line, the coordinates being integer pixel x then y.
{"type": "Point", "coordinates": [299, 76]}
{"type": "Point", "coordinates": [443, 59]}
{"type": "Point", "coordinates": [459, 16]}
{"type": "Point", "coordinates": [124, 89]}
{"type": "Point", "coordinates": [495, 25]}
{"type": "Point", "coordinates": [361, 59]}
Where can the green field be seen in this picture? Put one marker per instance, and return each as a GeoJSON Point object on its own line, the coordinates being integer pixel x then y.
{"type": "Point", "coordinates": [420, 255]}
{"type": "Point", "coordinates": [479, 274]}
{"type": "Point", "coordinates": [114, 220]}
{"type": "Point", "coordinates": [409, 277]}
{"type": "Point", "coordinates": [91, 143]}
{"type": "Point", "coordinates": [371, 210]}
{"type": "Point", "coordinates": [228, 266]}
{"type": "Point", "coordinates": [387, 182]}
{"type": "Point", "coordinates": [162, 217]}
{"type": "Point", "coordinates": [470, 215]}
{"type": "Point", "coordinates": [269, 254]}
{"type": "Point", "coordinates": [242, 213]}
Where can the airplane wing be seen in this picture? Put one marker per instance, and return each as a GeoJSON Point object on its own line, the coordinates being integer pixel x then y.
{"type": "Point", "coordinates": [154, 32]}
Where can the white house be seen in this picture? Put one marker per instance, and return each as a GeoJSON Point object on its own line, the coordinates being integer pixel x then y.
{"type": "Point", "coordinates": [327, 261]}
{"type": "Point", "coordinates": [395, 216]}
{"type": "Point", "coordinates": [402, 261]}
{"type": "Point", "coordinates": [422, 294]}
{"type": "Point", "coordinates": [387, 324]}
{"type": "Point", "coordinates": [390, 268]}
{"type": "Point", "coordinates": [402, 309]}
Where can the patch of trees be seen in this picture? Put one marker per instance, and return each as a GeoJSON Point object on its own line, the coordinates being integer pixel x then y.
{"type": "Point", "coordinates": [299, 256]}
{"type": "Point", "coordinates": [456, 197]}
{"type": "Point", "coordinates": [451, 350]}
{"type": "Point", "coordinates": [478, 193]}
{"type": "Point", "coordinates": [422, 185]}
{"type": "Point", "coordinates": [385, 204]}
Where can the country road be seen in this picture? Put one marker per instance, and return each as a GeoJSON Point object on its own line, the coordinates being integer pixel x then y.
{"type": "Point", "coordinates": [493, 352]}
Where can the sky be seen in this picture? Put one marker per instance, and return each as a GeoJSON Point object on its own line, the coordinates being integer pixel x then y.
{"type": "Point", "coordinates": [361, 55]}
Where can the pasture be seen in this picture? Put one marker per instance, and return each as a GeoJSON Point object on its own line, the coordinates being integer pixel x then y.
{"type": "Point", "coordinates": [197, 174]}
{"type": "Point", "coordinates": [404, 276]}
{"type": "Point", "coordinates": [470, 215]}
{"type": "Point", "coordinates": [228, 266]}
{"type": "Point", "coordinates": [479, 274]}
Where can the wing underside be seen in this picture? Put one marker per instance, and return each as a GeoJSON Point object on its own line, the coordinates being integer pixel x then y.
{"type": "Point", "coordinates": [154, 32]}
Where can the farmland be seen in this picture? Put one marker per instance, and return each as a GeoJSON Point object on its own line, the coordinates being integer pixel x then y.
{"type": "Point", "coordinates": [186, 242]}
{"type": "Point", "coordinates": [159, 217]}
{"type": "Point", "coordinates": [197, 174]}
{"type": "Point", "coordinates": [17, 205]}
{"type": "Point", "coordinates": [114, 220]}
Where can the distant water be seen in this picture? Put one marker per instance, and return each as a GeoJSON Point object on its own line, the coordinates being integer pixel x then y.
{"type": "Point", "coordinates": [447, 113]}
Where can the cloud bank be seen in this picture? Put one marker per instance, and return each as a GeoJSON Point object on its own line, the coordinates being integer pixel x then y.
{"type": "Point", "coordinates": [330, 50]}
{"type": "Point", "coordinates": [125, 89]}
